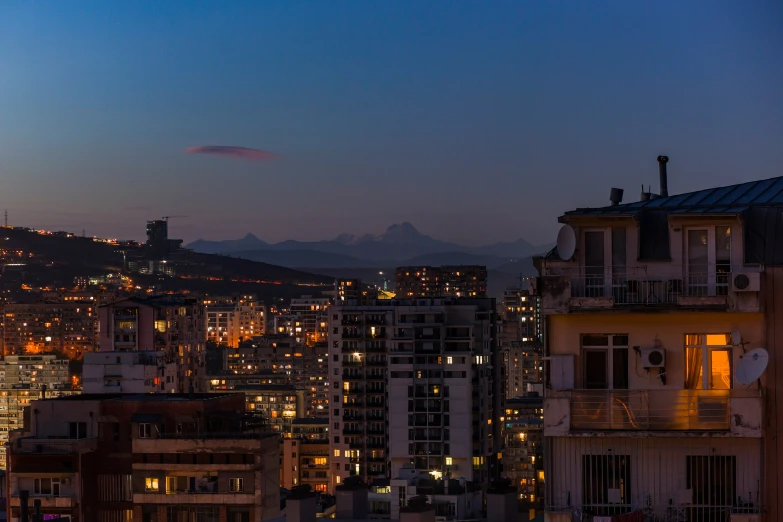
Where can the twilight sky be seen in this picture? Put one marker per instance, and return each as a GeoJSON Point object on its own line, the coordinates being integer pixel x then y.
{"type": "Point", "coordinates": [476, 121]}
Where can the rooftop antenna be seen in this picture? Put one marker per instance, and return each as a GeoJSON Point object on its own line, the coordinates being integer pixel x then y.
{"type": "Point", "coordinates": [168, 217]}
{"type": "Point", "coordinates": [6, 217]}
{"type": "Point", "coordinates": [84, 233]}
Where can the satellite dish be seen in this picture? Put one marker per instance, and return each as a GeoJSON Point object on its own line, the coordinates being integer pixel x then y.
{"type": "Point", "coordinates": [736, 337]}
{"type": "Point", "coordinates": [751, 365]}
{"type": "Point", "coordinates": [566, 243]}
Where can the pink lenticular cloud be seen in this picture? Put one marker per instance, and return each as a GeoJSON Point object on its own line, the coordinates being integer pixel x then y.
{"type": "Point", "coordinates": [222, 151]}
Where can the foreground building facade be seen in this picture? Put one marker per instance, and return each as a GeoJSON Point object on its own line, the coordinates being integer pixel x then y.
{"type": "Point", "coordinates": [644, 410]}
{"type": "Point", "coordinates": [157, 458]}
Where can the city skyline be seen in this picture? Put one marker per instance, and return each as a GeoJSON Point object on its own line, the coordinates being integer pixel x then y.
{"type": "Point", "coordinates": [380, 114]}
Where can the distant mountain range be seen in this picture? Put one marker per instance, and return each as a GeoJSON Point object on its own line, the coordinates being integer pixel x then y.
{"type": "Point", "coordinates": [401, 244]}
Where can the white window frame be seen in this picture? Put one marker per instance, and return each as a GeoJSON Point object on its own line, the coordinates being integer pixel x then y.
{"type": "Point", "coordinates": [145, 430]}
{"type": "Point", "coordinates": [54, 487]}
{"type": "Point", "coordinates": [706, 361]}
{"type": "Point", "coordinates": [611, 279]}
{"type": "Point", "coordinates": [609, 350]}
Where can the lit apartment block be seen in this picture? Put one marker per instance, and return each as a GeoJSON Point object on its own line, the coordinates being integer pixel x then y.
{"type": "Point", "coordinates": [414, 389]}
{"type": "Point", "coordinates": [231, 320]}
{"type": "Point", "coordinates": [523, 446]}
{"type": "Point", "coordinates": [172, 324]}
{"type": "Point", "coordinates": [25, 378]}
{"type": "Point", "coordinates": [524, 369]}
{"type": "Point", "coordinates": [220, 324]}
{"type": "Point", "coordinates": [305, 455]}
{"type": "Point", "coordinates": [520, 335]}
{"type": "Point", "coordinates": [306, 367]}
{"type": "Point", "coordinates": [66, 327]}
{"type": "Point", "coordinates": [277, 404]}
{"type": "Point", "coordinates": [311, 312]}
{"type": "Point", "coordinates": [520, 317]}
{"type": "Point", "coordinates": [441, 281]}
{"type": "Point", "coordinates": [650, 308]}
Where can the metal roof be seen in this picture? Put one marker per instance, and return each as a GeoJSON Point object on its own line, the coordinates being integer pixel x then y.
{"type": "Point", "coordinates": [732, 199]}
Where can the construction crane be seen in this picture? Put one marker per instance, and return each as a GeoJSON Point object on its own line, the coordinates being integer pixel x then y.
{"type": "Point", "coordinates": [169, 217]}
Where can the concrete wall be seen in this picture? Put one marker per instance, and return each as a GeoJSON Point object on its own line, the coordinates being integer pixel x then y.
{"type": "Point", "coordinates": [54, 416]}
{"type": "Point", "coordinates": [669, 328]}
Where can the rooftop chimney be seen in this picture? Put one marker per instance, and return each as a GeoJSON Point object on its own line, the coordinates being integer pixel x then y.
{"type": "Point", "coordinates": [351, 499]}
{"type": "Point", "coordinates": [616, 196]}
{"type": "Point", "coordinates": [502, 501]}
{"type": "Point", "coordinates": [662, 160]}
{"type": "Point", "coordinates": [300, 506]}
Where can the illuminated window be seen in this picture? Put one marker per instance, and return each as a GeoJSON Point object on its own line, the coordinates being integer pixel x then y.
{"type": "Point", "coordinates": [236, 485]}
{"type": "Point", "coordinates": [708, 362]}
{"type": "Point", "coordinates": [151, 484]}
{"type": "Point", "coordinates": [449, 461]}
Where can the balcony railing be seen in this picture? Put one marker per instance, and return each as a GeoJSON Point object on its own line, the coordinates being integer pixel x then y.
{"type": "Point", "coordinates": [33, 446]}
{"type": "Point", "coordinates": [643, 410]}
{"type": "Point", "coordinates": [647, 286]}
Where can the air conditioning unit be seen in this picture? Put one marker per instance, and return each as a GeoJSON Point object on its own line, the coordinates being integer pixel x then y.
{"type": "Point", "coordinates": [653, 357]}
{"type": "Point", "coordinates": [745, 282]}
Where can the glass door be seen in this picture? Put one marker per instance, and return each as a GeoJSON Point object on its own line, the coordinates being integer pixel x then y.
{"type": "Point", "coordinates": [698, 262]}
{"type": "Point", "coordinates": [595, 263]}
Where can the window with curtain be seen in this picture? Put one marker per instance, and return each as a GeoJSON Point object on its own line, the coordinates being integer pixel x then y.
{"type": "Point", "coordinates": [708, 362]}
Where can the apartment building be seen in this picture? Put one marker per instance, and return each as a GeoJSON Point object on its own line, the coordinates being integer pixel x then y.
{"type": "Point", "coordinates": [650, 306]}
{"type": "Point", "coordinates": [279, 359]}
{"type": "Point", "coordinates": [305, 455]}
{"type": "Point", "coordinates": [520, 316]}
{"type": "Point", "coordinates": [65, 327]}
{"type": "Point", "coordinates": [160, 457]}
{"type": "Point", "coordinates": [277, 404]}
{"type": "Point", "coordinates": [221, 328]}
{"type": "Point", "coordinates": [523, 446]}
{"type": "Point", "coordinates": [25, 378]}
{"type": "Point", "coordinates": [414, 388]}
{"type": "Point", "coordinates": [352, 291]}
{"type": "Point", "coordinates": [231, 320]}
{"type": "Point", "coordinates": [310, 314]}
{"type": "Point", "coordinates": [172, 324]}
{"type": "Point", "coordinates": [129, 372]}
{"type": "Point", "coordinates": [441, 281]}
{"type": "Point", "coordinates": [523, 369]}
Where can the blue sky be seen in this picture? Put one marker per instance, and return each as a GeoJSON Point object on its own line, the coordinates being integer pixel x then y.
{"type": "Point", "coordinates": [476, 121]}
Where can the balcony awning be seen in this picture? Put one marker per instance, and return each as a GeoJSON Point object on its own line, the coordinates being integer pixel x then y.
{"type": "Point", "coordinates": [147, 418]}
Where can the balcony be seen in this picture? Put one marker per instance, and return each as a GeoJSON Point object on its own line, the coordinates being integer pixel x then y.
{"type": "Point", "coordinates": [47, 502]}
{"type": "Point", "coordinates": [737, 412]}
{"type": "Point", "coordinates": [34, 446]}
{"type": "Point", "coordinates": [669, 286]}
{"type": "Point", "coordinates": [200, 497]}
